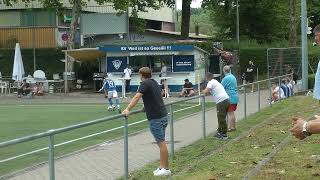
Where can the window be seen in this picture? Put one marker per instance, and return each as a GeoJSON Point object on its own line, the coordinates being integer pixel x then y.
{"type": "Point", "coordinates": [38, 18]}
{"type": "Point", "coordinates": [157, 25]}
{"type": "Point", "coordinates": [153, 62]}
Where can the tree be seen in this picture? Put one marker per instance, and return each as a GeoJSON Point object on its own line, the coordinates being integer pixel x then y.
{"type": "Point", "coordinates": [293, 24]}
{"type": "Point", "coordinates": [185, 18]}
{"type": "Point", "coordinates": [260, 20]}
{"type": "Point", "coordinates": [313, 12]}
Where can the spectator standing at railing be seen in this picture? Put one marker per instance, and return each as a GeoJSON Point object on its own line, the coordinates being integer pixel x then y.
{"type": "Point", "coordinates": [221, 98]}
{"type": "Point", "coordinates": [156, 112]}
{"type": "Point", "coordinates": [301, 128]}
{"type": "Point", "coordinates": [316, 92]}
{"type": "Point", "coordinates": [230, 84]}
{"type": "Point", "coordinates": [250, 74]}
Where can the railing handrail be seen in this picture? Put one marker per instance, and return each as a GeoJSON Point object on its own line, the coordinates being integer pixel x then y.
{"type": "Point", "coordinates": [80, 125]}
{"type": "Point", "coordinates": [61, 130]}
{"type": "Point", "coordinates": [104, 119]}
{"type": "Point", "coordinates": [50, 133]}
{"type": "Point", "coordinates": [100, 120]}
{"type": "Point", "coordinates": [270, 79]}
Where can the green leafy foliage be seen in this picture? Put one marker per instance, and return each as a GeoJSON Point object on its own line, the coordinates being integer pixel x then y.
{"type": "Point", "coordinates": [48, 60]}
{"type": "Point", "coordinates": [311, 78]}
{"type": "Point", "coordinates": [200, 17]}
{"type": "Point", "coordinates": [264, 21]}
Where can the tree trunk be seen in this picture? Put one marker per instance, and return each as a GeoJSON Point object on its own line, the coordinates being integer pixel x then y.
{"type": "Point", "coordinates": [76, 11]}
{"type": "Point", "coordinates": [185, 19]}
{"type": "Point", "coordinates": [292, 24]}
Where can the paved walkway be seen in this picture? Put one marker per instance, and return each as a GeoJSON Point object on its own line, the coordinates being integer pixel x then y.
{"type": "Point", "coordinates": [106, 161]}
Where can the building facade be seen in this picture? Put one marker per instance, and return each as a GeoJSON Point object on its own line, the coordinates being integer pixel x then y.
{"type": "Point", "coordinates": [35, 27]}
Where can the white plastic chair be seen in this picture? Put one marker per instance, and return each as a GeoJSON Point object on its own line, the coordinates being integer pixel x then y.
{"type": "Point", "coordinates": [56, 77]}
{"type": "Point", "coordinates": [38, 74]}
{"type": "Point", "coordinates": [4, 87]}
{"type": "Point", "coordinates": [13, 86]}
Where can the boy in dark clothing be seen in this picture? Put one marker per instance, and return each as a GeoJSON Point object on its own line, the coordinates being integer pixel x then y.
{"type": "Point", "coordinates": [250, 74]}
{"type": "Point", "coordinates": [24, 89]}
{"type": "Point", "coordinates": [156, 112]}
{"type": "Point", "coordinates": [187, 89]}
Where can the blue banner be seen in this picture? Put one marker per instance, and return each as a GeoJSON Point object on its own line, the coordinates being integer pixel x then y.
{"type": "Point", "coordinates": [146, 48]}
{"type": "Point", "coordinates": [116, 64]}
{"type": "Point", "coordinates": [183, 63]}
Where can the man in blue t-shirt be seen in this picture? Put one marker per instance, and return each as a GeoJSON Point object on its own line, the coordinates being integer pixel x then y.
{"type": "Point", "coordinates": [229, 82]}
{"type": "Point", "coordinates": [156, 112]}
{"type": "Point", "coordinates": [110, 88]}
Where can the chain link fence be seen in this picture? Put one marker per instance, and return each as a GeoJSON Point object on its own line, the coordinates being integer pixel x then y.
{"type": "Point", "coordinates": [284, 61]}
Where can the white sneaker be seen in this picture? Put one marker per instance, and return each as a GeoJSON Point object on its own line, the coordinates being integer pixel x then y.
{"type": "Point", "coordinates": [163, 172]}
{"type": "Point", "coordinates": [155, 171]}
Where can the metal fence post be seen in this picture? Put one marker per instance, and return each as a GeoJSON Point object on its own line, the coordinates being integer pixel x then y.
{"type": "Point", "coordinates": [51, 158]}
{"type": "Point", "coordinates": [245, 102]}
{"type": "Point", "coordinates": [203, 106]}
{"type": "Point", "coordinates": [171, 132]}
{"type": "Point", "coordinates": [279, 92]}
{"type": "Point", "coordinates": [270, 92]}
{"type": "Point", "coordinates": [259, 108]}
{"type": "Point", "coordinates": [125, 150]}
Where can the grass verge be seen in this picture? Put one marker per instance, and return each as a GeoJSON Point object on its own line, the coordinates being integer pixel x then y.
{"type": "Point", "coordinates": [232, 159]}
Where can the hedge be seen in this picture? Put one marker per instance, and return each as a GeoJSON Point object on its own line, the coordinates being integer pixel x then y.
{"type": "Point", "coordinates": [47, 60]}
{"type": "Point", "coordinates": [311, 79]}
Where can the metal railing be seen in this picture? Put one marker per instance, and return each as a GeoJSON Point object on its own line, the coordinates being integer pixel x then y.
{"type": "Point", "coordinates": [51, 133]}
{"type": "Point", "coordinates": [243, 87]}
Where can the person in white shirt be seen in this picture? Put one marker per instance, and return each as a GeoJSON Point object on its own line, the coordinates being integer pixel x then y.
{"type": "Point", "coordinates": [164, 70]}
{"type": "Point", "coordinates": [127, 72]}
{"type": "Point", "coordinates": [275, 93]}
{"type": "Point", "coordinates": [221, 98]}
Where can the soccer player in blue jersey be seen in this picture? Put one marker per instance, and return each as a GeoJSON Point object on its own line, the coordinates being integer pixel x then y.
{"type": "Point", "coordinates": [110, 87]}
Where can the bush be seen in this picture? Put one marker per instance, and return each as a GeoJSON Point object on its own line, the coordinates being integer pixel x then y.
{"type": "Point", "coordinates": [311, 79]}
{"type": "Point", "coordinates": [47, 60]}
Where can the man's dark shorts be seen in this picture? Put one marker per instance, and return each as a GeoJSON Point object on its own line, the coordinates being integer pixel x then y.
{"type": "Point", "coordinates": [158, 128]}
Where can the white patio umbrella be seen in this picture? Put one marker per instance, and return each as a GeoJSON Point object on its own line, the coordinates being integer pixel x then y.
{"type": "Point", "coordinates": [18, 69]}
